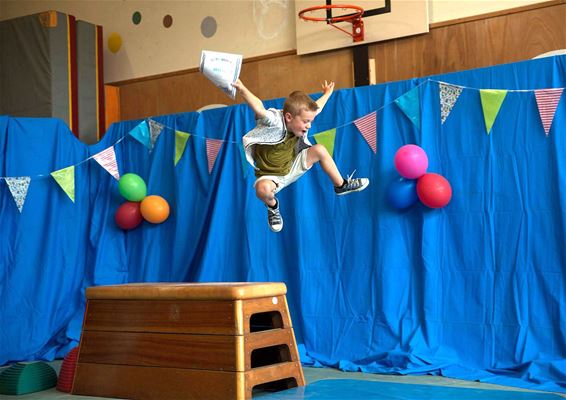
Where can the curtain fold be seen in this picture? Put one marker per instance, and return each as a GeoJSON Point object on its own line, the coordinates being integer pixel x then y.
{"type": "Point", "coordinates": [473, 290]}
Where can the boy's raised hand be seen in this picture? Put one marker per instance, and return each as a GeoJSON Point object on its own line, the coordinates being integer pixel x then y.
{"type": "Point", "coordinates": [328, 87]}
{"type": "Point", "coordinates": [238, 85]}
{"type": "Point", "coordinates": [253, 101]}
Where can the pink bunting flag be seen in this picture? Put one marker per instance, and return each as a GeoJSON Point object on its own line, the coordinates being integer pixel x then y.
{"type": "Point", "coordinates": [212, 148]}
{"type": "Point", "coordinates": [547, 101]}
{"type": "Point", "coordinates": [367, 127]}
{"type": "Point", "coordinates": [107, 159]}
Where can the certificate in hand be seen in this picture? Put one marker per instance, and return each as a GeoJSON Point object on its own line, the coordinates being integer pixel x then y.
{"type": "Point", "coordinates": [222, 69]}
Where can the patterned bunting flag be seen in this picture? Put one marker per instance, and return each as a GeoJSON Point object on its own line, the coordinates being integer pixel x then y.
{"type": "Point", "coordinates": [180, 144]}
{"type": "Point", "coordinates": [410, 104]}
{"type": "Point", "coordinates": [212, 148]}
{"type": "Point", "coordinates": [107, 159]}
{"type": "Point", "coordinates": [19, 189]}
{"type": "Point", "coordinates": [491, 101]}
{"type": "Point", "coordinates": [155, 129]}
{"type": "Point", "coordinates": [367, 127]}
{"type": "Point", "coordinates": [141, 134]}
{"type": "Point", "coordinates": [547, 101]}
{"type": "Point", "coordinates": [448, 96]}
{"type": "Point", "coordinates": [66, 179]}
{"type": "Point", "coordinates": [326, 139]}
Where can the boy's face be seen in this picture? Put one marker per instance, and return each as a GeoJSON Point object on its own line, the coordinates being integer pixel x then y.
{"type": "Point", "coordinates": [300, 123]}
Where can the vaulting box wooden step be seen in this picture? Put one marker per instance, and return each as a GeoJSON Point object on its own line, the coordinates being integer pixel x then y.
{"type": "Point", "coordinates": [186, 341]}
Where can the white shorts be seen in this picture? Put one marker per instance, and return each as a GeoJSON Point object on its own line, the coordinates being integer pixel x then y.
{"type": "Point", "coordinates": [298, 168]}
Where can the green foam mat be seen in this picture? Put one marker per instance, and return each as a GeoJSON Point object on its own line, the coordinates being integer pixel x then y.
{"type": "Point", "coordinates": [22, 378]}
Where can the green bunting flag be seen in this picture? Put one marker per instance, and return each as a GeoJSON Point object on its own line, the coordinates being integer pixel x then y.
{"type": "Point", "coordinates": [180, 144]}
{"type": "Point", "coordinates": [66, 179]}
{"type": "Point", "coordinates": [491, 101]}
{"type": "Point", "coordinates": [326, 139]}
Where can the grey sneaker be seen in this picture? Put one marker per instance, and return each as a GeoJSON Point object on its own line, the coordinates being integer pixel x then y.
{"type": "Point", "coordinates": [274, 218]}
{"type": "Point", "coordinates": [352, 185]}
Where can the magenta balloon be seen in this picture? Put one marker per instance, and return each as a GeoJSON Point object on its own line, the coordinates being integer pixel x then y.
{"type": "Point", "coordinates": [411, 161]}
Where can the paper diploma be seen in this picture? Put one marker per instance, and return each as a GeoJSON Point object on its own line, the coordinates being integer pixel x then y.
{"type": "Point", "coordinates": [222, 69]}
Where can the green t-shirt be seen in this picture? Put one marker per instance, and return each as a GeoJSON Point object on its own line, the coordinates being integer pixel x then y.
{"type": "Point", "coordinates": [275, 159]}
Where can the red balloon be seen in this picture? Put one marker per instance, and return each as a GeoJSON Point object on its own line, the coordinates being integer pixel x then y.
{"type": "Point", "coordinates": [434, 190]}
{"type": "Point", "coordinates": [128, 215]}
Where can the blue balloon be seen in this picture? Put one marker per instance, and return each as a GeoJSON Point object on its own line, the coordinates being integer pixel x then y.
{"type": "Point", "coordinates": [402, 193]}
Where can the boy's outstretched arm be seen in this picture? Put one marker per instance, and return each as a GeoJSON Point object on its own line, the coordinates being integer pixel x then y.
{"type": "Point", "coordinates": [327, 89]}
{"type": "Point", "coordinates": [253, 101]}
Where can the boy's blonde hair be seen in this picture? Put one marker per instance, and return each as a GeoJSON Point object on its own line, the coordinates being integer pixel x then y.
{"type": "Point", "coordinates": [297, 102]}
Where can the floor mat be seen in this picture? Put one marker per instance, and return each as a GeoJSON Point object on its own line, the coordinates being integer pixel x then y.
{"type": "Point", "coordinates": [350, 389]}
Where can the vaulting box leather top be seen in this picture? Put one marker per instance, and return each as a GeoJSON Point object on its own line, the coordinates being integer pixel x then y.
{"type": "Point", "coordinates": [188, 291]}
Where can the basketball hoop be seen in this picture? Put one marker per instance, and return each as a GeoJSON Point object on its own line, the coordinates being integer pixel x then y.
{"type": "Point", "coordinates": [355, 18]}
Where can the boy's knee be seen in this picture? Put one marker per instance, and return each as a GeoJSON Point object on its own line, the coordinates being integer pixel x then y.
{"type": "Point", "coordinates": [264, 189]}
{"type": "Point", "coordinates": [320, 151]}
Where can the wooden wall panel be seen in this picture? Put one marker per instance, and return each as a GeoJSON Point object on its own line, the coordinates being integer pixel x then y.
{"type": "Point", "coordinates": [112, 105]}
{"type": "Point", "coordinates": [473, 43]}
{"type": "Point", "coordinates": [279, 77]}
{"type": "Point", "coordinates": [491, 39]}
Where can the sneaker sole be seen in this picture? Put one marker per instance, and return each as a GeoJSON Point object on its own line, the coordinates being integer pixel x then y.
{"type": "Point", "coordinates": [275, 230]}
{"type": "Point", "coordinates": [352, 191]}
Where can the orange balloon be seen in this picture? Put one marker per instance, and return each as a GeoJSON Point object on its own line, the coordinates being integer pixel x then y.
{"type": "Point", "coordinates": [154, 209]}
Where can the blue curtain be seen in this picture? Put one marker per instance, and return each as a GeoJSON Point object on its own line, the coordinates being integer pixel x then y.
{"type": "Point", "coordinates": [473, 290]}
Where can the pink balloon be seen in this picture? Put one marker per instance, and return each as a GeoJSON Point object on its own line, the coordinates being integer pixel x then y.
{"type": "Point", "coordinates": [411, 161]}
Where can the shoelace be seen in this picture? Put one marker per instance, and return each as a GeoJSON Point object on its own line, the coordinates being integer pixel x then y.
{"type": "Point", "coordinates": [349, 178]}
{"type": "Point", "coordinates": [274, 216]}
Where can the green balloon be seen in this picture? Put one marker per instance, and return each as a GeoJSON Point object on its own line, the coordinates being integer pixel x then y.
{"type": "Point", "coordinates": [132, 187]}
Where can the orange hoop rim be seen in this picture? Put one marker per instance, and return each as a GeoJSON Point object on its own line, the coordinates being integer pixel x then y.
{"type": "Point", "coordinates": [358, 13]}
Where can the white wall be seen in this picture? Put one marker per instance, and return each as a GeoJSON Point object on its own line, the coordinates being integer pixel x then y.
{"type": "Point", "coordinates": [445, 10]}
{"type": "Point", "coordinates": [247, 27]}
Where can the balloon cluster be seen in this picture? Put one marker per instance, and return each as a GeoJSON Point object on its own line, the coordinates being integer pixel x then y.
{"type": "Point", "coordinates": [138, 206]}
{"type": "Point", "coordinates": [433, 190]}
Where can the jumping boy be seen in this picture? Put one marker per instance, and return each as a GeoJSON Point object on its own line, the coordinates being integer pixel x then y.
{"type": "Point", "coordinates": [281, 152]}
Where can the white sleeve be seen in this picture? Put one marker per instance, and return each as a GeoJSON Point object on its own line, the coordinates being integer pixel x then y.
{"type": "Point", "coordinates": [271, 118]}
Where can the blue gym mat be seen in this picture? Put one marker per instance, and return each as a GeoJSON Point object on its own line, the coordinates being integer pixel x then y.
{"type": "Point", "coordinates": [351, 389]}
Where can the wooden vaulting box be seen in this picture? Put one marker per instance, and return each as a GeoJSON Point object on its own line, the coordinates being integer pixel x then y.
{"type": "Point", "coordinates": [186, 341]}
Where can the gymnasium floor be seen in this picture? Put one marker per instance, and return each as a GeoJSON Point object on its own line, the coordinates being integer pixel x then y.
{"type": "Point", "coordinates": [327, 384]}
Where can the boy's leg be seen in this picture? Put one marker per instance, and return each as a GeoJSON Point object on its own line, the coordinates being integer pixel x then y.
{"type": "Point", "coordinates": [318, 153]}
{"type": "Point", "coordinates": [265, 191]}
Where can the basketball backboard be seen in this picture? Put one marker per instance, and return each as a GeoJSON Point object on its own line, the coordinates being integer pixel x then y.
{"type": "Point", "coordinates": [383, 20]}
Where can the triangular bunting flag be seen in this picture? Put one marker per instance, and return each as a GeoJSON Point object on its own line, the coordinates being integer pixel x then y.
{"type": "Point", "coordinates": [491, 101]}
{"type": "Point", "coordinates": [155, 129]}
{"type": "Point", "coordinates": [326, 139]}
{"type": "Point", "coordinates": [367, 127]}
{"type": "Point", "coordinates": [547, 101]}
{"type": "Point", "coordinates": [244, 161]}
{"type": "Point", "coordinates": [448, 96]}
{"type": "Point", "coordinates": [410, 104]}
{"type": "Point", "coordinates": [19, 189]}
{"type": "Point", "coordinates": [180, 144]}
{"type": "Point", "coordinates": [212, 148]}
{"type": "Point", "coordinates": [141, 134]}
{"type": "Point", "coordinates": [66, 179]}
{"type": "Point", "coordinates": [107, 159]}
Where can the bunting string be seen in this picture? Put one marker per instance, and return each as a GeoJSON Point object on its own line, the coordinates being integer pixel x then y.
{"type": "Point", "coordinates": [149, 130]}
{"type": "Point", "coordinates": [74, 165]}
